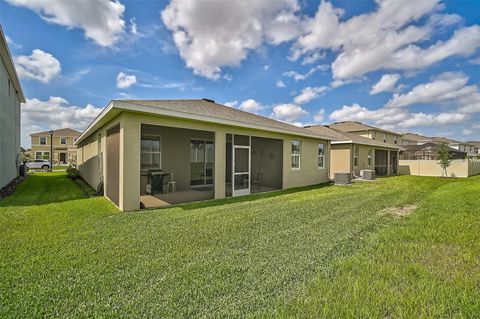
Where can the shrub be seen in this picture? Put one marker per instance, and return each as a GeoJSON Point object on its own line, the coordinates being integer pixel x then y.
{"type": "Point", "coordinates": [72, 172]}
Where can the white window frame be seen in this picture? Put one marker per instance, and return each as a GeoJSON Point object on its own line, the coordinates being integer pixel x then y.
{"type": "Point", "coordinates": [38, 153]}
{"type": "Point", "coordinates": [322, 156]}
{"type": "Point", "coordinates": [40, 140]}
{"type": "Point", "coordinates": [295, 155]}
{"type": "Point", "coordinates": [396, 140]}
{"type": "Point", "coordinates": [356, 152]}
{"type": "Point", "coordinates": [369, 157]}
{"type": "Point", "coordinates": [384, 137]}
{"type": "Point", "coordinates": [63, 138]}
{"type": "Point", "coordinates": [147, 136]}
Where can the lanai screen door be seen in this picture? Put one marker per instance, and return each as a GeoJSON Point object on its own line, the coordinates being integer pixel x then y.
{"type": "Point", "coordinates": [241, 165]}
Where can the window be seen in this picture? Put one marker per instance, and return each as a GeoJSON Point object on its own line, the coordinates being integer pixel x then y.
{"type": "Point", "coordinates": [355, 156]}
{"type": "Point", "coordinates": [42, 155]}
{"type": "Point", "coordinates": [43, 140]}
{"type": "Point", "coordinates": [75, 139]}
{"type": "Point", "coordinates": [296, 149]}
{"type": "Point", "coordinates": [9, 85]}
{"type": "Point", "coordinates": [63, 140]}
{"type": "Point", "coordinates": [384, 138]}
{"type": "Point", "coordinates": [369, 157]}
{"type": "Point", "coordinates": [151, 154]}
{"type": "Point", "coordinates": [374, 135]}
{"type": "Point", "coordinates": [395, 140]}
{"type": "Point", "coordinates": [321, 155]}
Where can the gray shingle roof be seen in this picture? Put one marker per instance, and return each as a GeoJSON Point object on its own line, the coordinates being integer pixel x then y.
{"type": "Point", "coordinates": [60, 132]}
{"type": "Point", "coordinates": [212, 110]}
{"type": "Point", "coordinates": [351, 126]}
{"type": "Point", "coordinates": [341, 136]}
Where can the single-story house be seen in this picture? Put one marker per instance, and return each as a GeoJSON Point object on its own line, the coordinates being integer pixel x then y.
{"type": "Point", "coordinates": [11, 97]}
{"type": "Point", "coordinates": [351, 153]}
{"type": "Point", "coordinates": [64, 150]}
{"type": "Point", "coordinates": [151, 153]}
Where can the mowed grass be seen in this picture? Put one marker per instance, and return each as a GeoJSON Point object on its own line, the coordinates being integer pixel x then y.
{"type": "Point", "coordinates": [321, 251]}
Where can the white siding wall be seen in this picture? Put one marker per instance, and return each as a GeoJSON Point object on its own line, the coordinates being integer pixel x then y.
{"type": "Point", "coordinates": [9, 128]}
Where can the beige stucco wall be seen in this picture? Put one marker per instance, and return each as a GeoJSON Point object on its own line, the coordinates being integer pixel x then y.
{"type": "Point", "coordinates": [9, 128]}
{"type": "Point", "coordinates": [130, 130]}
{"type": "Point", "coordinates": [457, 168]}
{"type": "Point", "coordinates": [390, 138]}
{"type": "Point", "coordinates": [340, 159]}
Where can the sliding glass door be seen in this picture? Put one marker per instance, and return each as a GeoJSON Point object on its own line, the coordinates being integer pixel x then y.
{"type": "Point", "coordinates": [202, 154]}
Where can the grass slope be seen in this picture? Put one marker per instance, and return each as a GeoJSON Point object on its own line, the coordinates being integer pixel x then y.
{"type": "Point", "coordinates": [276, 254]}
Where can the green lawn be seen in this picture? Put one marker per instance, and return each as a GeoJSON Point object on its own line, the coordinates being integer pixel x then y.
{"type": "Point", "coordinates": [321, 251]}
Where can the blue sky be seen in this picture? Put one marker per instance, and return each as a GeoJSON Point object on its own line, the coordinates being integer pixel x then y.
{"type": "Point", "coordinates": [409, 66]}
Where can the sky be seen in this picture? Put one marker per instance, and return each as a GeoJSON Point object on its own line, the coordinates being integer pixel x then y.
{"type": "Point", "coordinates": [407, 66]}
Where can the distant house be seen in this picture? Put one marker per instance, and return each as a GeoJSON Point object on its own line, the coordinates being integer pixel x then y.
{"type": "Point", "coordinates": [353, 152]}
{"type": "Point", "coordinates": [371, 132]}
{"type": "Point", "coordinates": [64, 150]}
{"type": "Point", "coordinates": [428, 151]}
{"type": "Point", "coordinates": [414, 139]}
{"type": "Point", "coordinates": [152, 153]}
{"type": "Point", "coordinates": [476, 145]}
{"type": "Point", "coordinates": [11, 97]}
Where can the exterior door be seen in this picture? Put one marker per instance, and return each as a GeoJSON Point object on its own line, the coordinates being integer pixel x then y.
{"type": "Point", "coordinates": [63, 158]}
{"type": "Point", "coordinates": [241, 165]}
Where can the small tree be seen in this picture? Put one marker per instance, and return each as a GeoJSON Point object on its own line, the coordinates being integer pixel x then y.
{"type": "Point", "coordinates": [444, 158]}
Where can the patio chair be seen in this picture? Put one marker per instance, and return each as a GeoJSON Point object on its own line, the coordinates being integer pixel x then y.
{"type": "Point", "coordinates": [258, 181]}
{"type": "Point", "coordinates": [172, 185]}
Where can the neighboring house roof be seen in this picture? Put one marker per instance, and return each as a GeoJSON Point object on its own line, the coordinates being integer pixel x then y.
{"type": "Point", "coordinates": [414, 137]}
{"type": "Point", "coordinates": [199, 109]}
{"type": "Point", "coordinates": [10, 66]}
{"type": "Point", "coordinates": [438, 139]}
{"type": "Point", "coordinates": [474, 143]}
{"type": "Point", "coordinates": [63, 132]}
{"type": "Point", "coordinates": [351, 126]}
{"type": "Point", "coordinates": [339, 137]}
{"type": "Point", "coordinates": [432, 146]}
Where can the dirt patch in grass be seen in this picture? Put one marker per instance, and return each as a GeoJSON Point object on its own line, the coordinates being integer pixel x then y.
{"type": "Point", "coordinates": [398, 212]}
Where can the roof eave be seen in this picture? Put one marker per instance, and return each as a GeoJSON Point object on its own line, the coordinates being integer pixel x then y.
{"type": "Point", "coordinates": [132, 107]}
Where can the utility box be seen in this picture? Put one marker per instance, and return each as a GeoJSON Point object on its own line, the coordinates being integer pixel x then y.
{"type": "Point", "coordinates": [343, 178]}
{"type": "Point", "coordinates": [368, 174]}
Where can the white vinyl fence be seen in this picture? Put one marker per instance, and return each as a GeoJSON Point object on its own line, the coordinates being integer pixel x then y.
{"type": "Point", "coordinates": [457, 168]}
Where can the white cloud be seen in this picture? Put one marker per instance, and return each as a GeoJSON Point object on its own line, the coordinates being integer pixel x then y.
{"type": "Point", "coordinates": [289, 113]}
{"type": "Point", "coordinates": [300, 77]}
{"type": "Point", "coordinates": [320, 116]}
{"type": "Point", "coordinates": [133, 26]}
{"type": "Point", "coordinates": [309, 93]}
{"type": "Point", "coordinates": [54, 113]}
{"type": "Point", "coordinates": [101, 20]}
{"type": "Point", "coordinates": [251, 106]}
{"type": "Point", "coordinates": [475, 60]}
{"type": "Point", "coordinates": [12, 43]}
{"type": "Point", "coordinates": [280, 84]}
{"type": "Point", "coordinates": [386, 38]}
{"type": "Point", "coordinates": [314, 57]}
{"type": "Point", "coordinates": [444, 87]}
{"type": "Point", "coordinates": [467, 132]}
{"type": "Point", "coordinates": [422, 119]}
{"type": "Point", "coordinates": [40, 66]}
{"type": "Point", "coordinates": [209, 37]}
{"type": "Point", "coordinates": [125, 81]}
{"type": "Point", "coordinates": [231, 103]}
{"type": "Point", "coordinates": [385, 84]}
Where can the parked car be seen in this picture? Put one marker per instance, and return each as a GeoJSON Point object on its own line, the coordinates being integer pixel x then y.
{"type": "Point", "coordinates": [39, 164]}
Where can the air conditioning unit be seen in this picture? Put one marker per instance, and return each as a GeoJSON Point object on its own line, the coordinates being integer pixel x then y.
{"type": "Point", "coordinates": [343, 178]}
{"type": "Point", "coordinates": [367, 174]}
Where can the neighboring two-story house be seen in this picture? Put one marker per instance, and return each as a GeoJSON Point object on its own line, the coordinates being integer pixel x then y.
{"type": "Point", "coordinates": [362, 147]}
{"type": "Point", "coordinates": [11, 96]}
{"type": "Point", "coordinates": [414, 139]}
{"type": "Point", "coordinates": [476, 145]}
{"type": "Point", "coordinates": [64, 152]}
{"type": "Point", "coordinates": [368, 131]}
